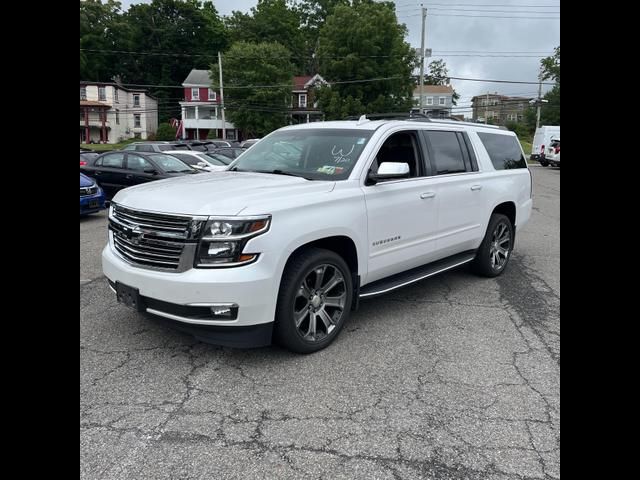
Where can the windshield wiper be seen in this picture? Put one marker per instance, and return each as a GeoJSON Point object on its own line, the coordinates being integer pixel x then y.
{"type": "Point", "coordinates": [275, 172]}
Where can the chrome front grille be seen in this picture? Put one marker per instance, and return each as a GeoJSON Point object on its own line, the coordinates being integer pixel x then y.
{"type": "Point", "coordinates": [154, 240]}
{"type": "Point", "coordinates": [86, 191]}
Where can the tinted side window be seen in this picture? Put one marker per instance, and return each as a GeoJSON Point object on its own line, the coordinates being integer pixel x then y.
{"type": "Point", "coordinates": [504, 151]}
{"type": "Point", "coordinates": [447, 152]}
{"type": "Point", "coordinates": [113, 160]}
{"type": "Point", "coordinates": [137, 163]}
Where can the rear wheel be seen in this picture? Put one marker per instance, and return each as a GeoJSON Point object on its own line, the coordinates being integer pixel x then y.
{"type": "Point", "coordinates": [314, 300]}
{"type": "Point", "coordinates": [496, 247]}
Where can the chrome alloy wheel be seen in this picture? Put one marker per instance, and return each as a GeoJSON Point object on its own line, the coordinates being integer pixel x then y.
{"type": "Point", "coordinates": [319, 303]}
{"type": "Point", "coordinates": [500, 246]}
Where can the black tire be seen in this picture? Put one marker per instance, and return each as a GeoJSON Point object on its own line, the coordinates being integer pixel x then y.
{"type": "Point", "coordinates": [482, 264]}
{"type": "Point", "coordinates": [297, 272]}
{"type": "Point", "coordinates": [544, 164]}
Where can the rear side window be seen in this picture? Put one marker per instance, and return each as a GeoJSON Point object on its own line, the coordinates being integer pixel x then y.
{"type": "Point", "coordinates": [446, 152]}
{"type": "Point", "coordinates": [504, 151]}
{"type": "Point", "coordinates": [113, 160]}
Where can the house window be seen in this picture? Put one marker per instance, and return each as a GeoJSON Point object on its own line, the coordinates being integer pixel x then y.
{"type": "Point", "coordinates": [212, 95]}
{"type": "Point", "coordinates": [442, 101]}
{"type": "Point", "coordinates": [117, 117]}
{"type": "Point", "coordinates": [429, 100]}
{"type": "Point", "coordinates": [115, 95]}
{"type": "Point", "coordinates": [102, 94]}
{"type": "Point", "coordinates": [302, 100]}
{"type": "Point", "coordinates": [83, 93]}
{"type": "Point", "coordinates": [195, 94]}
{"type": "Point", "coordinates": [136, 100]}
{"type": "Point", "coordinates": [136, 120]}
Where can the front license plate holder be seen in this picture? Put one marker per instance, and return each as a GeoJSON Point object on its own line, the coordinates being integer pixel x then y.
{"type": "Point", "coordinates": [130, 297]}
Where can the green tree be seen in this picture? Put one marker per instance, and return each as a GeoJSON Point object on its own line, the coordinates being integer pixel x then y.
{"type": "Point", "coordinates": [258, 78]}
{"type": "Point", "coordinates": [271, 21]}
{"type": "Point", "coordinates": [313, 14]}
{"type": "Point", "coordinates": [159, 33]}
{"type": "Point", "coordinates": [551, 66]}
{"type": "Point", "coordinates": [101, 28]}
{"type": "Point", "coordinates": [364, 42]}
{"type": "Point", "coordinates": [438, 74]}
{"type": "Point", "coordinates": [165, 132]}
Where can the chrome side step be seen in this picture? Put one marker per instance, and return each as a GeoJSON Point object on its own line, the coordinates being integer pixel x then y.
{"type": "Point", "coordinates": [402, 279]}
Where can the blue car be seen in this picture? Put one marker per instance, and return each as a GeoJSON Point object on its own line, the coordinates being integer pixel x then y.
{"type": "Point", "coordinates": [91, 196]}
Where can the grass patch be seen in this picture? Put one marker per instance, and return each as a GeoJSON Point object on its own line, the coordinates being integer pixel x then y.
{"type": "Point", "coordinates": [101, 147]}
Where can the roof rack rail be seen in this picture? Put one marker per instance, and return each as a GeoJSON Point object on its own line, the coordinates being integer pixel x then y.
{"type": "Point", "coordinates": [420, 117]}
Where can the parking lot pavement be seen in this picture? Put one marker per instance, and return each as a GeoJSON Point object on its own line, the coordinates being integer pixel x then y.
{"type": "Point", "coordinates": [455, 377]}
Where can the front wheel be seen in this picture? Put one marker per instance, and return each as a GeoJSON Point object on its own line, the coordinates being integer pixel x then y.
{"type": "Point", "coordinates": [314, 300]}
{"type": "Point", "coordinates": [496, 247]}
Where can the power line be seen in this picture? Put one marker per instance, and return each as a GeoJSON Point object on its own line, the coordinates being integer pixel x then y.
{"type": "Point", "coordinates": [498, 81]}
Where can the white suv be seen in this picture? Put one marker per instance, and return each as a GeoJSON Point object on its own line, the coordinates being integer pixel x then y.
{"type": "Point", "coordinates": [313, 218]}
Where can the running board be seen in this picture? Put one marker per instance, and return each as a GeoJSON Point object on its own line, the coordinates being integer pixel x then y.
{"type": "Point", "coordinates": [398, 280]}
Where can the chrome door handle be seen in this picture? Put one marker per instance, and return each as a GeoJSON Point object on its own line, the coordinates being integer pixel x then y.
{"type": "Point", "coordinates": [476, 187]}
{"type": "Point", "coordinates": [428, 195]}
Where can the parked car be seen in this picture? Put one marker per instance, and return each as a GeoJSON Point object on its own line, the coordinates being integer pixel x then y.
{"type": "Point", "coordinates": [91, 196]}
{"type": "Point", "coordinates": [120, 169]}
{"type": "Point", "coordinates": [230, 152]}
{"type": "Point", "coordinates": [541, 140]}
{"type": "Point", "coordinates": [85, 157]}
{"type": "Point", "coordinates": [155, 146]}
{"type": "Point", "coordinates": [199, 160]}
{"type": "Point", "coordinates": [249, 143]}
{"type": "Point", "coordinates": [553, 153]}
{"type": "Point", "coordinates": [283, 248]}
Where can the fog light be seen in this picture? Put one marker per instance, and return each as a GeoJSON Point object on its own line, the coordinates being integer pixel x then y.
{"type": "Point", "coordinates": [225, 311]}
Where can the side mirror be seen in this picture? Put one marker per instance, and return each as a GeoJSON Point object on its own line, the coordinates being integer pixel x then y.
{"type": "Point", "coordinates": [389, 170]}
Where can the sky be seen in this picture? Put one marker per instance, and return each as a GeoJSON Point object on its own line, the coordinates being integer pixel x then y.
{"type": "Point", "coordinates": [472, 41]}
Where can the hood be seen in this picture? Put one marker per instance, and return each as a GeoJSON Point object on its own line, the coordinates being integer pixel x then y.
{"type": "Point", "coordinates": [85, 181]}
{"type": "Point", "coordinates": [219, 193]}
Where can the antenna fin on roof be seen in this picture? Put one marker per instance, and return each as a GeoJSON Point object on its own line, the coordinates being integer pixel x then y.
{"type": "Point", "coordinates": [363, 118]}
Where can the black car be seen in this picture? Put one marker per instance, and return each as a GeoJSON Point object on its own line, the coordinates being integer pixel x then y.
{"type": "Point", "coordinates": [230, 152]}
{"type": "Point", "coordinates": [117, 170]}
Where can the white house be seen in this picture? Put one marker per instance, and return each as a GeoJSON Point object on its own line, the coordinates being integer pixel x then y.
{"type": "Point", "coordinates": [111, 113]}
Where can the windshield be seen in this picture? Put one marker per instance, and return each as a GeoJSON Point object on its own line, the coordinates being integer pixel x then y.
{"type": "Point", "coordinates": [315, 154]}
{"type": "Point", "coordinates": [170, 164]}
{"type": "Point", "coordinates": [188, 159]}
{"type": "Point", "coordinates": [216, 159]}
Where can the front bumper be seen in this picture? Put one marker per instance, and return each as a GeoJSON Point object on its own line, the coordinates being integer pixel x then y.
{"type": "Point", "coordinates": [186, 297]}
{"type": "Point", "coordinates": [89, 199]}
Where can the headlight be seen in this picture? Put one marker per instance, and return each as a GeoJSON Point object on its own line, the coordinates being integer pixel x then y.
{"type": "Point", "coordinates": [224, 239]}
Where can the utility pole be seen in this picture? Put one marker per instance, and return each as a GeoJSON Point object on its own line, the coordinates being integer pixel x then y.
{"type": "Point", "coordinates": [424, 18]}
{"type": "Point", "coordinates": [486, 109]}
{"type": "Point", "coordinates": [224, 130]}
{"type": "Point", "coordinates": [539, 102]}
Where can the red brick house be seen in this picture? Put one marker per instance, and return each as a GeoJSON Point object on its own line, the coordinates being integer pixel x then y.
{"type": "Point", "coordinates": [304, 107]}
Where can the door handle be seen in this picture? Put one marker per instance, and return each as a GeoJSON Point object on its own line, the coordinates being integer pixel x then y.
{"type": "Point", "coordinates": [129, 176]}
{"type": "Point", "coordinates": [476, 187]}
{"type": "Point", "coordinates": [97, 173]}
{"type": "Point", "coordinates": [427, 195]}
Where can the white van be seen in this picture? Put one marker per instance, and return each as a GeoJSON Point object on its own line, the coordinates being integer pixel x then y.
{"type": "Point", "coordinates": [541, 140]}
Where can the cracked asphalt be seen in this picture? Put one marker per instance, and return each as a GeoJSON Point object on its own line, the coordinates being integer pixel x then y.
{"type": "Point", "coordinates": [455, 377]}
